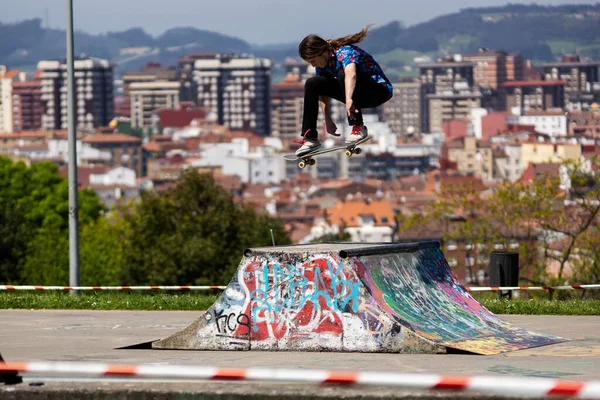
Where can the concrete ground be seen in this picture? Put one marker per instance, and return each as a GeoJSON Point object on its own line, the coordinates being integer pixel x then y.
{"type": "Point", "coordinates": [95, 336]}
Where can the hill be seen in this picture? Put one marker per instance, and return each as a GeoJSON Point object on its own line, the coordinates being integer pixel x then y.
{"type": "Point", "coordinates": [540, 33]}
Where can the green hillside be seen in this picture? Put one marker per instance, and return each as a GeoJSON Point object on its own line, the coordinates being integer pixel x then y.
{"type": "Point", "coordinates": [537, 32]}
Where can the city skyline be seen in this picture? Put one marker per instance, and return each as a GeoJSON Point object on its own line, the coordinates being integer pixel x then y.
{"type": "Point", "coordinates": [283, 23]}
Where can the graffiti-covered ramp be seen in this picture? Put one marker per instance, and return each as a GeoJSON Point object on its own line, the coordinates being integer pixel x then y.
{"type": "Point", "coordinates": [350, 297]}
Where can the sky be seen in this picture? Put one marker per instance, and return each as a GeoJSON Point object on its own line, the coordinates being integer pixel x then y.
{"type": "Point", "coordinates": [255, 21]}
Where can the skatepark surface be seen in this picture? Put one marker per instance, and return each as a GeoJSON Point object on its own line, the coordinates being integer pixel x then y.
{"type": "Point", "coordinates": [329, 306]}
{"type": "Point", "coordinates": [95, 336]}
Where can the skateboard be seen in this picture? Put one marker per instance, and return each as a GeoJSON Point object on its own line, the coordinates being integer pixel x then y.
{"type": "Point", "coordinates": [308, 159]}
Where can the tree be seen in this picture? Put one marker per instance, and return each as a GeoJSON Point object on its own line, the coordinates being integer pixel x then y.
{"type": "Point", "coordinates": [34, 222]}
{"type": "Point", "coordinates": [192, 234]}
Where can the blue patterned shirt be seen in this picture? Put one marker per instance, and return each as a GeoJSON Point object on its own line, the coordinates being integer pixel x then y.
{"type": "Point", "coordinates": [365, 64]}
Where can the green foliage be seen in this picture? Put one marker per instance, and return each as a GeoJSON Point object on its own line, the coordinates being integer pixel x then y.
{"type": "Point", "coordinates": [537, 32]}
{"type": "Point", "coordinates": [101, 247]}
{"type": "Point", "coordinates": [557, 228]}
{"type": "Point", "coordinates": [34, 222]}
{"type": "Point", "coordinates": [192, 234]}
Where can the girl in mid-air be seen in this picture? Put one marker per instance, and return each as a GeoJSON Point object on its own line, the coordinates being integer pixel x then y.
{"type": "Point", "coordinates": [344, 72]}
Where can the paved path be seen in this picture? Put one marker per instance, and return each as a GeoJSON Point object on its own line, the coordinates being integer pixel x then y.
{"type": "Point", "coordinates": [95, 336]}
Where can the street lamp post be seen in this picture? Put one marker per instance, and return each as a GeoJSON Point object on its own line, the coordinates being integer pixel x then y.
{"type": "Point", "coordinates": [72, 135]}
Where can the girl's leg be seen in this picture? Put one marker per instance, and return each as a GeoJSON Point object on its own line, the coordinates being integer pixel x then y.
{"type": "Point", "coordinates": [367, 94]}
{"type": "Point", "coordinates": [313, 88]}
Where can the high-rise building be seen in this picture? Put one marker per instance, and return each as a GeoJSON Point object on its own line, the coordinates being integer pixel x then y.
{"type": "Point", "coordinates": [535, 95]}
{"type": "Point", "coordinates": [580, 78]}
{"type": "Point", "coordinates": [403, 111]}
{"type": "Point", "coordinates": [237, 89]}
{"type": "Point", "coordinates": [515, 67]}
{"type": "Point", "coordinates": [446, 107]}
{"type": "Point", "coordinates": [489, 69]}
{"type": "Point", "coordinates": [450, 84]}
{"type": "Point", "coordinates": [151, 72]}
{"type": "Point", "coordinates": [287, 102]}
{"type": "Point", "coordinates": [94, 93]}
{"type": "Point", "coordinates": [6, 78]}
{"type": "Point", "coordinates": [27, 105]}
{"type": "Point", "coordinates": [147, 97]}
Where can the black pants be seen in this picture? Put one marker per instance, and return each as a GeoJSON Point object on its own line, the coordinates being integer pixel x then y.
{"type": "Point", "coordinates": [367, 94]}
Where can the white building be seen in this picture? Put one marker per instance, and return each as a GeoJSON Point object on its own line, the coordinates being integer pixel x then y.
{"type": "Point", "coordinates": [507, 166]}
{"type": "Point", "coordinates": [94, 93]}
{"type": "Point", "coordinates": [6, 124]}
{"type": "Point", "coordinates": [115, 185]}
{"type": "Point", "coordinates": [553, 124]}
{"type": "Point", "coordinates": [263, 166]}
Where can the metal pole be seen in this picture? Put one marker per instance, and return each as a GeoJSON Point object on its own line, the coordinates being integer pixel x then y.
{"type": "Point", "coordinates": [72, 133]}
{"type": "Point", "coordinates": [272, 237]}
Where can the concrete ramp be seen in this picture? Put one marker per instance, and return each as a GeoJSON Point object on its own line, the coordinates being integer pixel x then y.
{"type": "Point", "coordinates": [350, 297]}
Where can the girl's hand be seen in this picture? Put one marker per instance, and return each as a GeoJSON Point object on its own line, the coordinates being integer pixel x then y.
{"type": "Point", "coordinates": [331, 127]}
{"type": "Point", "coordinates": [350, 110]}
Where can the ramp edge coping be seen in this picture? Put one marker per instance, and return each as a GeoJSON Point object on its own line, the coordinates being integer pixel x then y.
{"type": "Point", "coordinates": [376, 248]}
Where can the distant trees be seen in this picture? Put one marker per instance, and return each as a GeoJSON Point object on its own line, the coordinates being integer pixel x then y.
{"type": "Point", "coordinates": [194, 233]}
{"type": "Point", "coordinates": [560, 213]}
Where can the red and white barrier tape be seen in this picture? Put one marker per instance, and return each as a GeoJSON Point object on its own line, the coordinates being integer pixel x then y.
{"type": "Point", "coordinates": [481, 384]}
{"type": "Point", "coordinates": [470, 289]}
{"type": "Point", "coordinates": [66, 288]}
{"type": "Point", "coordinates": [566, 287]}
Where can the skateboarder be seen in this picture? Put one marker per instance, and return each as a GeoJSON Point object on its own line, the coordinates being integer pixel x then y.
{"type": "Point", "coordinates": [344, 72]}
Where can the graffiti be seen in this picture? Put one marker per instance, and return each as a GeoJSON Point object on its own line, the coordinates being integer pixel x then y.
{"type": "Point", "coordinates": [308, 298]}
{"type": "Point", "coordinates": [298, 299]}
{"type": "Point", "coordinates": [420, 291]}
{"type": "Point", "coordinates": [228, 323]}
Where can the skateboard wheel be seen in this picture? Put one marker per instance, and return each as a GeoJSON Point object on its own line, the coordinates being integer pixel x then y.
{"type": "Point", "coordinates": [302, 164]}
{"type": "Point", "coordinates": [357, 151]}
{"type": "Point", "coordinates": [348, 153]}
{"type": "Point", "coordinates": [312, 161]}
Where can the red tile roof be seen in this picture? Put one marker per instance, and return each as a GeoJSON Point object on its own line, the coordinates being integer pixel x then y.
{"type": "Point", "coordinates": [111, 138]}
{"type": "Point", "coordinates": [83, 174]}
{"type": "Point", "coordinates": [179, 118]}
{"type": "Point", "coordinates": [533, 83]}
{"type": "Point", "coordinates": [350, 211]}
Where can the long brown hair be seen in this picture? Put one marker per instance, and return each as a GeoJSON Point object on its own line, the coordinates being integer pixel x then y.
{"type": "Point", "coordinates": [314, 45]}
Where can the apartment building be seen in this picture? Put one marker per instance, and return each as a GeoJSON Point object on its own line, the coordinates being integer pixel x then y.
{"type": "Point", "coordinates": [287, 102]}
{"type": "Point", "coordinates": [236, 88]}
{"type": "Point", "coordinates": [147, 97]}
{"type": "Point", "coordinates": [580, 77]}
{"type": "Point", "coordinates": [151, 72]}
{"type": "Point", "coordinates": [6, 78]}
{"type": "Point", "coordinates": [446, 107]}
{"type": "Point", "coordinates": [403, 111]}
{"type": "Point", "coordinates": [447, 77]}
{"type": "Point", "coordinates": [94, 93]}
{"type": "Point", "coordinates": [535, 95]}
{"type": "Point", "coordinates": [472, 156]}
{"type": "Point", "coordinates": [536, 153]}
{"type": "Point", "coordinates": [27, 108]}
{"type": "Point", "coordinates": [515, 67]}
{"type": "Point", "coordinates": [124, 150]}
{"type": "Point", "coordinates": [489, 68]}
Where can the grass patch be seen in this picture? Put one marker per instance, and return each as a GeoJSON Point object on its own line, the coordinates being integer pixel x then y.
{"type": "Point", "coordinates": [543, 307]}
{"type": "Point", "coordinates": [194, 301]}
{"type": "Point", "coordinates": [180, 301]}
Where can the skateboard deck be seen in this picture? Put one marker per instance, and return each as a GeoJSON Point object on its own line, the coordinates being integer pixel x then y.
{"type": "Point", "coordinates": [308, 159]}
